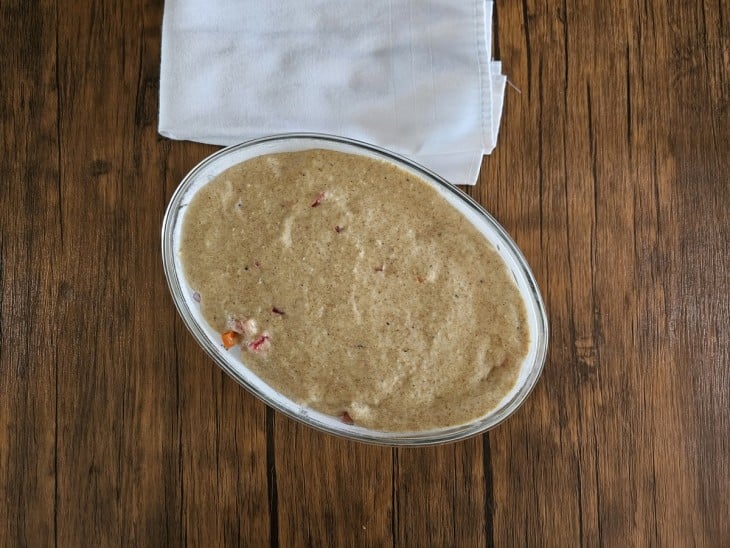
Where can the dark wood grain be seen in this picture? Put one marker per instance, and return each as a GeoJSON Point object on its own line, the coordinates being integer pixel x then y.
{"type": "Point", "coordinates": [331, 491]}
{"type": "Point", "coordinates": [613, 175]}
{"type": "Point", "coordinates": [30, 277]}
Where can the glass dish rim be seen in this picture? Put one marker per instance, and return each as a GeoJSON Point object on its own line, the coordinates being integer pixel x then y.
{"type": "Point", "coordinates": [419, 438]}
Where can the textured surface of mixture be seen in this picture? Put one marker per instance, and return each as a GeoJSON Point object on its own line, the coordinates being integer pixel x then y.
{"type": "Point", "coordinates": [353, 287]}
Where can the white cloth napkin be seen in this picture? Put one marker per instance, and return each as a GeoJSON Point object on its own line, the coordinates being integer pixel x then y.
{"type": "Point", "coordinates": [413, 76]}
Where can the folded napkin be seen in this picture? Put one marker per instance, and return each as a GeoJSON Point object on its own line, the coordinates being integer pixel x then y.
{"type": "Point", "coordinates": [413, 76]}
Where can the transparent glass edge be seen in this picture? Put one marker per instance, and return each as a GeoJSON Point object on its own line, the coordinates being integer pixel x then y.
{"type": "Point", "coordinates": [424, 438]}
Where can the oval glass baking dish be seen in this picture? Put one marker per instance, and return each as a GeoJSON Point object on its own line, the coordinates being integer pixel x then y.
{"type": "Point", "coordinates": [185, 298]}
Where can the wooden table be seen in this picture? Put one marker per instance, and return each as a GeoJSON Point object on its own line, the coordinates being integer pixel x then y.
{"type": "Point", "coordinates": [612, 173]}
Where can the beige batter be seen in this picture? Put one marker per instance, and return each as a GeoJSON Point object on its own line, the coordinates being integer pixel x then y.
{"type": "Point", "coordinates": [351, 286]}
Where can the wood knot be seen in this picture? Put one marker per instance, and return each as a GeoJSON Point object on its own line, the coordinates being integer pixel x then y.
{"type": "Point", "coordinates": [99, 167]}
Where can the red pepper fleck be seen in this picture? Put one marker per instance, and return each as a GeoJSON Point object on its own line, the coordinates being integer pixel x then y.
{"type": "Point", "coordinates": [257, 264]}
{"type": "Point", "coordinates": [380, 268]}
{"type": "Point", "coordinates": [318, 199]}
{"type": "Point", "coordinates": [419, 279]}
{"type": "Point", "coordinates": [278, 311]}
{"type": "Point", "coordinates": [339, 229]}
{"type": "Point", "coordinates": [259, 343]}
{"type": "Point", "coordinates": [346, 418]}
